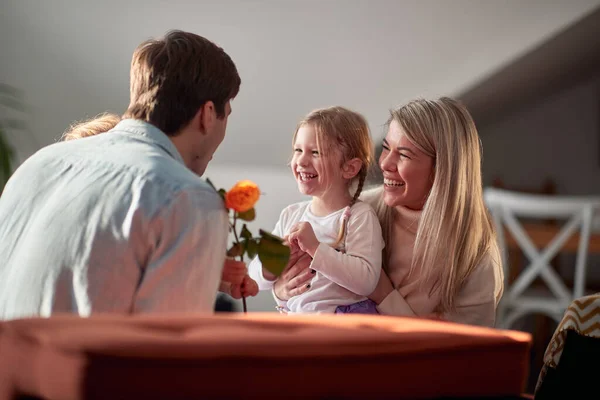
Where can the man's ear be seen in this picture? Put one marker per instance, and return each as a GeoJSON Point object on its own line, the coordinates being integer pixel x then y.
{"type": "Point", "coordinates": [206, 116]}
{"type": "Point", "coordinates": [351, 168]}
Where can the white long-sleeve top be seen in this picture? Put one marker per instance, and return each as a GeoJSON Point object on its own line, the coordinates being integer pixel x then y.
{"type": "Point", "coordinates": [341, 278]}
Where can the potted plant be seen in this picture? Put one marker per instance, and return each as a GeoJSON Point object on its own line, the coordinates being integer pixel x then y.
{"type": "Point", "coordinates": [11, 119]}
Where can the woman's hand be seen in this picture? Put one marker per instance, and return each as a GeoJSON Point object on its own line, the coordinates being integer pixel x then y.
{"type": "Point", "coordinates": [383, 289]}
{"type": "Point", "coordinates": [295, 278]}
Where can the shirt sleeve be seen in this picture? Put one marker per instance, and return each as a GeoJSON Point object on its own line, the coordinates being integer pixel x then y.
{"type": "Point", "coordinates": [358, 269]}
{"type": "Point", "coordinates": [189, 240]}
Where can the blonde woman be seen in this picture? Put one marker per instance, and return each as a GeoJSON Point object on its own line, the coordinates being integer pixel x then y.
{"type": "Point", "coordinates": [441, 258]}
{"type": "Point", "coordinates": [99, 124]}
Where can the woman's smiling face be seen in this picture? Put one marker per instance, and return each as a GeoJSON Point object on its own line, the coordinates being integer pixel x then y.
{"type": "Point", "coordinates": [407, 171]}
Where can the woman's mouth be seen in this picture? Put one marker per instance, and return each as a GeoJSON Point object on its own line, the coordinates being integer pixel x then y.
{"type": "Point", "coordinates": [392, 183]}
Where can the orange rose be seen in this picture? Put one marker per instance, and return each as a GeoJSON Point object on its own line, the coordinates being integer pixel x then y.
{"type": "Point", "coordinates": [242, 196]}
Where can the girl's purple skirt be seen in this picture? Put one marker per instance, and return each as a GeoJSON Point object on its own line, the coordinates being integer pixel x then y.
{"type": "Point", "coordinates": [362, 307]}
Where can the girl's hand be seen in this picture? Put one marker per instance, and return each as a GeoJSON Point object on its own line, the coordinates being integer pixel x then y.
{"type": "Point", "coordinates": [303, 235]}
{"type": "Point", "coordinates": [295, 278]}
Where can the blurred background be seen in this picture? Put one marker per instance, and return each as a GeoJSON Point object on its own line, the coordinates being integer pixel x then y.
{"type": "Point", "coordinates": [528, 70]}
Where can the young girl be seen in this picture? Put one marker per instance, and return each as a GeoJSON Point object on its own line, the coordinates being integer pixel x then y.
{"type": "Point", "coordinates": [332, 150]}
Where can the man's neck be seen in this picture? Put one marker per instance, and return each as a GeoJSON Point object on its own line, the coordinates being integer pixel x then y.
{"type": "Point", "coordinates": [182, 145]}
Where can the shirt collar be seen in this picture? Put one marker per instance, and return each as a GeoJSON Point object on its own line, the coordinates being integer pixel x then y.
{"type": "Point", "coordinates": [150, 132]}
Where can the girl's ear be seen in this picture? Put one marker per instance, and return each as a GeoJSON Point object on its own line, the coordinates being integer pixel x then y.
{"type": "Point", "coordinates": [351, 168]}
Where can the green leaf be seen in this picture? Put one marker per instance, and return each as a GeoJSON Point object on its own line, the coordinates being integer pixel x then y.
{"type": "Point", "coordinates": [251, 247]}
{"type": "Point", "coordinates": [247, 215]}
{"type": "Point", "coordinates": [269, 235]}
{"type": "Point", "coordinates": [11, 97]}
{"type": "Point", "coordinates": [9, 90]}
{"type": "Point", "coordinates": [6, 158]}
{"type": "Point", "coordinates": [245, 233]}
{"type": "Point", "coordinates": [14, 124]}
{"type": "Point", "coordinates": [273, 255]}
{"type": "Point", "coordinates": [236, 250]}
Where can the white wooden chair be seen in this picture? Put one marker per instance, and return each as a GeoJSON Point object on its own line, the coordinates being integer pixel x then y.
{"type": "Point", "coordinates": [519, 297]}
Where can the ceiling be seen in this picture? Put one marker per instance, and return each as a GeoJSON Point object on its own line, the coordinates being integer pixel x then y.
{"type": "Point", "coordinates": [71, 58]}
{"type": "Point", "coordinates": [569, 57]}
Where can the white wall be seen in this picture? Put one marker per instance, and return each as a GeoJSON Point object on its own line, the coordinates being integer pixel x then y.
{"type": "Point", "coordinates": [278, 189]}
{"type": "Point", "coordinates": [72, 57]}
{"type": "Point", "coordinates": [557, 138]}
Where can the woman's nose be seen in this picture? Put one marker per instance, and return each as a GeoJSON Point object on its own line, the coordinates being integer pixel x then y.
{"type": "Point", "coordinates": [387, 162]}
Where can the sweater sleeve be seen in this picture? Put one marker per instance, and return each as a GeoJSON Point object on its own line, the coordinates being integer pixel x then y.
{"type": "Point", "coordinates": [395, 304]}
{"type": "Point", "coordinates": [479, 297]}
{"type": "Point", "coordinates": [359, 268]}
{"type": "Point", "coordinates": [476, 303]}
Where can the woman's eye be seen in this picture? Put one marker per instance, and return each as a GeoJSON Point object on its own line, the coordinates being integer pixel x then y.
{"type": "Point", "coordinates": [385, 147]}
{"type": "Point", "coordinates": [402, 155]}
{"type": "Point", "coordinates": [315, 153]}
{"type": "Point", "coordinates": [297, 151]}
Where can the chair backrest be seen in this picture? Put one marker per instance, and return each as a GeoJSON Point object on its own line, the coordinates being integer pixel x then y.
{"type": "Point", "coordinates": [578, 212]}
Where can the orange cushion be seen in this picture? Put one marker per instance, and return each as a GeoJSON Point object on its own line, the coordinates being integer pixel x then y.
{"type": "Point", "coordinates": [257, 355]}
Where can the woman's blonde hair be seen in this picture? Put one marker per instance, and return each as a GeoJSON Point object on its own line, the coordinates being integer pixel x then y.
{"type": "Point", "coordinates": [345, 130]}
{"type": "Point", "coordinates": [455, 231]}
{"type": "Point", "coordinates": [91, 127]}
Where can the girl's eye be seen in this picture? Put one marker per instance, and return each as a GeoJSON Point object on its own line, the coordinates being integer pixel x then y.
{"type": "Point", "coordinates": [385, 147]}
{"type": "Point", "coordinates": [402, 155]}
{"type": "Point", "coordinates": [297, 151]}
{"type": "Point", "coordinates": [315, 153]}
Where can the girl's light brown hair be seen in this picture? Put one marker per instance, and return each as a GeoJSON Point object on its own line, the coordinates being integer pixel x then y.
{"type": "Point", "coordinates": [91, 127]}
{"type": "Point", "coordinates": [347, 131]}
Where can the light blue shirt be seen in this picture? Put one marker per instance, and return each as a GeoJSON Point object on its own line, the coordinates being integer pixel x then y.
{"type": "Point", "coordinates": [110, 223]}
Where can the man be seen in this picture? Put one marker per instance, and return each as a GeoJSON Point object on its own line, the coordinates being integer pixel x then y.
{"type": "Point", "coordinates": [121, 222]}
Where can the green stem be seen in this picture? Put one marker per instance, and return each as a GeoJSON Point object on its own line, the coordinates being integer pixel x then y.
{"type": "Point", "coordinates": [237, 241]}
